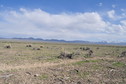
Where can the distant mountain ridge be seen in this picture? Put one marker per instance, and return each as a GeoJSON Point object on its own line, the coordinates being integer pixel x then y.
{"type": "Point", "coordinates": [74, 41]}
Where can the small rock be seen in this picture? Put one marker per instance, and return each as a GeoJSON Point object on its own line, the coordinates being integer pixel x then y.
{"type": "Point", "coordinates": [59, 81]}
{"type": "Point", "coordinates": [36, 75]}
{"type": "Point", "coordinates": [37, 48]}
{"type": "Point", "coordinates": [28, 73]}
{"type": "Point", "coordinates": [89, 80]}
{"type": "Point", "coordinates": [66, 78]}
{"type": "Point", "coordinates": [79, 82]}
{"type": "Point", "coordinates": [6, 75]}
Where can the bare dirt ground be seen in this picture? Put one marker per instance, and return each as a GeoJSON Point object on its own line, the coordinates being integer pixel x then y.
{"type": "Point", "coordinates": [27, 65]}
{"type": "Point", "coordinates": [4, 67]}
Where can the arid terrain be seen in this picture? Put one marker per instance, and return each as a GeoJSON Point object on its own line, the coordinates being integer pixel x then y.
{"type": "Point", "coordinates": [24, 62]}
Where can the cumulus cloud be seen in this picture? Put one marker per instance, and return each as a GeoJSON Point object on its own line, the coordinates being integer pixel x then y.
{"type": "Point", "coordinates": [123, 22]}
{"type": "Point", "coordinates": [111, 14]}
{"type": "Point", "coordinates": [68, 26]}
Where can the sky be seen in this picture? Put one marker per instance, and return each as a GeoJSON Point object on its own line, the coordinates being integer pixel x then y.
{"type": "Point", "coordinates": [87, 20]}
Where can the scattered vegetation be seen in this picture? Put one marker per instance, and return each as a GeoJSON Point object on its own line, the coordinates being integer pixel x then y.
{"type": "Point", "coordinates": [86, 61]}
{"type": "Point", "coordinates": [36, 49]}
{"type": "Point", "coordinates": [43, 76]}
{"type": "Point", "coordinates": [123, 54]}
{"type": "Point", "coordinates": [7, 46]}
{"type": "Point", "coordinates": [61, 63]}
{"type": "Point", "coordinates": [66, 55]}
{"type": "Point", "coordinates": [29, 45]}
{"type": "Point", "coordinates": [119, 64]}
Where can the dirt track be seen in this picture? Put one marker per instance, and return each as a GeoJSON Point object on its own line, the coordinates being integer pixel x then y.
{"type": "Point", "coordinates": [45, 65]}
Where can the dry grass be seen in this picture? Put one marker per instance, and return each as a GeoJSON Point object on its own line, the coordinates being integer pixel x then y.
{"type": "Point", "coordinates": [5, 67]}
{"type": "Point", "coordinates": [23, 65]}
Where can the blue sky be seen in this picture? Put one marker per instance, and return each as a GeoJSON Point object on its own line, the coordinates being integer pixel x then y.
{"type": "Point", "coordinates": [55, 6]}
{"type": "Point", "coordinates": [91, 20]}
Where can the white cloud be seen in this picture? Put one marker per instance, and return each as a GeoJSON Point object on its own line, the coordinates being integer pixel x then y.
{"type": "Point", "coordinates": [113, 6]}
{"type": "Point", "coordinates": [75, 26]}
{"type": "Point", "coordinates": [123, 10]}
{"type": "Point", "coordinates": [114, 29]}
{"type": "Point", "coordinates": [123, 22]}
{"type": "Point", "coordinates": [100, 4]}
{"type": "Point", "coordinates": [111, 14]}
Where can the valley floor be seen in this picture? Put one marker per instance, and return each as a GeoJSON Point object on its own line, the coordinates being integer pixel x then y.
{"type": "Point", "coordinates": [39, 63]}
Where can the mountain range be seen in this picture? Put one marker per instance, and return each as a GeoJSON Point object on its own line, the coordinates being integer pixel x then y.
{"type": "Point", "coordinates": [65, 41]}
{"type": "Point", "coordinates": [74, 41]}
